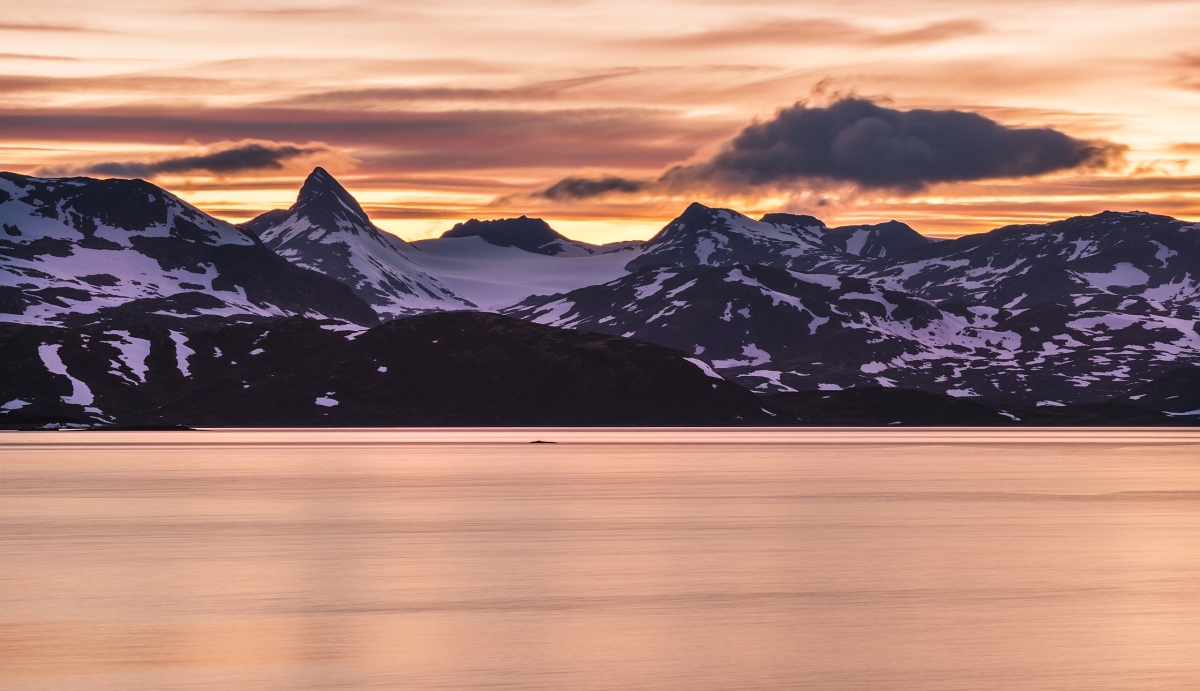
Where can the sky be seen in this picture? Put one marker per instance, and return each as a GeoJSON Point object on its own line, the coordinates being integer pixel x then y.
{"type": "Point", "coordinates": [607, 118]}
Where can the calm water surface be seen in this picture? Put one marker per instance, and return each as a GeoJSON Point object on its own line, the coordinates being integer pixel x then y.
{"type": "Point", "coordinates": [637, 559]}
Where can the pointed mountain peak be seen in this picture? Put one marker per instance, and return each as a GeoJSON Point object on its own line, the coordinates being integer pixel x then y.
{"type": "Point", "coordinates": [697, 214]}
{"type": "Point", "coordinates": [322, 193]}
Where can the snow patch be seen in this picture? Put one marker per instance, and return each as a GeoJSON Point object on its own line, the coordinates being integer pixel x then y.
{"type": "Point", "coordinates": [643, 292]}
{"type": "Point", "coordinates": [325, 401]}
{"type": "Point", "coordinates": [134, 352]}
{"type": "Point", "coordinates": [15, 404]}
{"type": "Point", "coordinates": [755, 356]}
{"type": "Point", "coordinates": [1124, 274]}
{"type": "Point", "coordinates": [873, 367]}
{"type": "Point", "coordinates": [708, 371]}
{"type": "Point", "coordinates": [80, 393]}
{"type": "Point", "coordinates": [854, 243]}
{"type": "Point", "coordinates": [772, 379]}
{"type": "Point", "coordinates": [819, 279]}
{"type": "Point", "coordinates": [352, 331]}
{"type": "Point", "coordinates": [182, 353]}
{"type": "Point", "coordinates": [1016, 302]}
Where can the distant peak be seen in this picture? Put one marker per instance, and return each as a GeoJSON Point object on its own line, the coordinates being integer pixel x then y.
{"type": "Point", "coordinates": [801, 220]}
{"type": "Point", "coordinates": [529, 234]}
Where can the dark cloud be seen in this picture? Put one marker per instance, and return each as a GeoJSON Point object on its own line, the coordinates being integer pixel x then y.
{"type": "Point", "coordinates": [857, 141]}
{"type": "Point", "coordinates": [586, 188]}
{"type": "Point", "coordinates": [824, 32]}
{"type": "Point", "coordinates": [870, 146]}
{"type": "Point", "coordinates": [241, 158]}
{"type": "Point", "coordinates": [1186, 147]}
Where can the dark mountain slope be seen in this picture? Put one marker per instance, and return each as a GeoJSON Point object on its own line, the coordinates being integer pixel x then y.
{"type": "Point", "coordinates": [877, 407]}
{"type": "Point", "coordinates": [443, 369]}
{"type": "Point", "coordinates": [1175, 393]}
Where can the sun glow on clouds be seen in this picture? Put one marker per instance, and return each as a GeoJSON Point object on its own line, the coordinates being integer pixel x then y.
{"type": "Point", "coordinates": [432, 114]}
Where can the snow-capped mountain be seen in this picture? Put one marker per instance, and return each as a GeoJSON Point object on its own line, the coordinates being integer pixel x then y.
{"type": "Point", "coordinates": [1144, 258]}
{"type": "Point", "coordinates": [78, 251]}
{"type": "Point", "coordinates": [704, 236]}
{"type": "Point", "coordinates": [1070, 312]}
{"type": "Point", "coordinates": [327, 231]}
{"type": "Point", "coordinates": [1106, 303]}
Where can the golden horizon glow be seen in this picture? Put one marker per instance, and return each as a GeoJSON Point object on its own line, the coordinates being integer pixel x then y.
{"type": "Point", "coordinates": [432, 115]}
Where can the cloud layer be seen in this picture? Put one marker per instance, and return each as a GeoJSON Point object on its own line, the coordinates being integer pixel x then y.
{"type": "Point", "coordinates": [585, 188]}
{"type": "Point", "coordinates": [240, 158]}
{"type": "Point", "coordinates": [873, 147]}
{"type": "Point", "coordinates": [457, 109]}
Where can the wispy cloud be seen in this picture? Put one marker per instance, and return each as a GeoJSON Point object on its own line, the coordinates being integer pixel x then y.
{"type": "Point", "coordinates": [48, 27]}
{"type": "Point", "coordinates": [30, 56]}
{"type": "Point", "coordinates": [822, 31]}
{"type": "Point", "coordinates": [537, 91]}
{"type": "Point", "coordinates": [461, 140]}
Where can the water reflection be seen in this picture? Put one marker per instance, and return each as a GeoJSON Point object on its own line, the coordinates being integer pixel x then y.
{"type": "Point", "coordinates": [633, 559]}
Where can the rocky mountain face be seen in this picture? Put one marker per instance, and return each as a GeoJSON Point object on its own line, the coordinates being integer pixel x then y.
{"type": "Point", "coordinates": [326, 230]}
{"type": "Point", "coordinates": [459, 368]}
{"type": "Point", "coordinates": [1075, 311]}
{"type": "Point", "coordinates": [81, 251]}
{"type": "Point", "coordinates": [875, 241]}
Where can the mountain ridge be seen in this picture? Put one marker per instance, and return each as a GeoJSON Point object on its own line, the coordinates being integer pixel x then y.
{"type": "Point", "coordinates": [76, 247]}
{"type": "Point", "coordinates": [1071, 312]}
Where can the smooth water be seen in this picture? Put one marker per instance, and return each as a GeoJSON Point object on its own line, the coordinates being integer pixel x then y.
{"type": "Point", "coordinates": [630, 559]}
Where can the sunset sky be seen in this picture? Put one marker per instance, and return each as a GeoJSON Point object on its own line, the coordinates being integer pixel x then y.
{"type": "Point", "coordinates": [431, 113]}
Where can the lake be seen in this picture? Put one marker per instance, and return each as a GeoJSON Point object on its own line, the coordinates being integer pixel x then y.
{"type": "Point", "coordinates": [614, 559]}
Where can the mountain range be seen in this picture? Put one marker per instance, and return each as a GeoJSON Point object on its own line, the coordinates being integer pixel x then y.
{"type": "Point", "coordinates": [1096, 310]}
